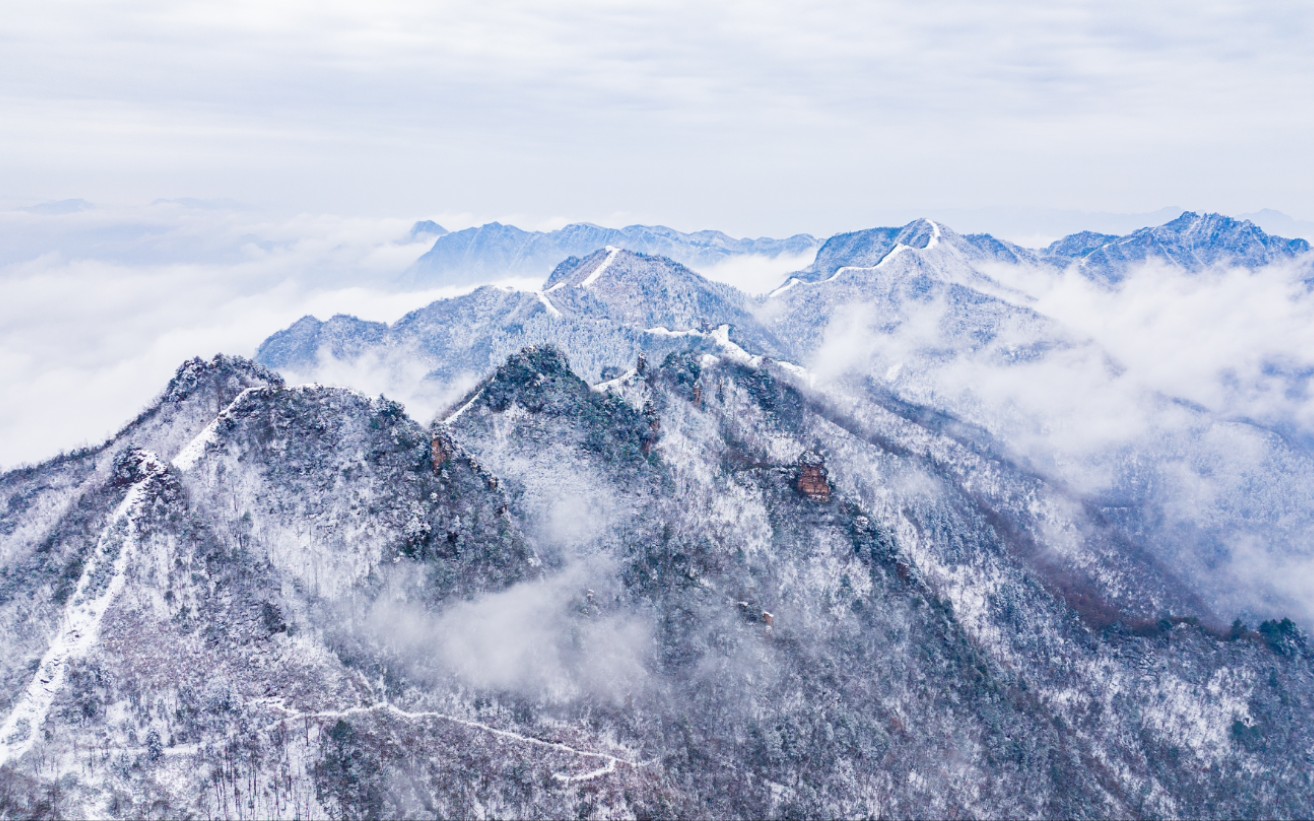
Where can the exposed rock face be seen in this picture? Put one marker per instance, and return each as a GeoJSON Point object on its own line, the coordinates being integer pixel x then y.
{"type": "Point", "coordinates": [812, 481]}
{"type": "Point", "coordinates": [441, 452]}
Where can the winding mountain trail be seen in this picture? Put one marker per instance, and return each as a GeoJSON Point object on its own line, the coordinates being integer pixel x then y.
{"type": "Point", "coordinates": [609, 765]}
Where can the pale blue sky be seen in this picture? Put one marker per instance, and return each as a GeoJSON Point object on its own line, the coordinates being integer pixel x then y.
{"type": "Point", "coordinates": [762, 117]}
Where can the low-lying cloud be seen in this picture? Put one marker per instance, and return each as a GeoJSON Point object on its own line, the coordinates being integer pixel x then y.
{"type": "Point", "coordinates": [1237, 341]}
{"type": "Point", "coordinates": [91, 331]}
{"type": "Point", "coordinates": [552, 638]}
{"type": "Point", "coordinates": [402, 376]}
{"type": "Point", "coordinates": [1187, 393]}
{"type": "Point", "coordinates": [756, 273]}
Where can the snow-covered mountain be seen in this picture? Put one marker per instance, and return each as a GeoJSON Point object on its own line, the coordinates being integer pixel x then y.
{"type": "Point", "coordinates": [497, 251]}
{"type": "Point", "coordinates": [889, 270]}
{"type": "Point", "coordinates": [877, 544]}
{"type": "Point", "coordinates": [699, 591]}
{"type": "Point", "coordinates": [938, 321]}
{"type": "Point", "coordinates": [921, 314]}
{"type": "Point", "coordinates": [426, 229]}
{"type": "Point", "coordinates": [867, 250]}
{"type": "Point", "coordinates": [1192, 241]}
{"type": "Point", "coordinates": [603, 310]}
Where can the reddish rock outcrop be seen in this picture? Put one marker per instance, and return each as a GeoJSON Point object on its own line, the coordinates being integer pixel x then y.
{"type": "Point", "coordinates": [441, 452]}
{"type": "Point", "coordinates": [811, 480]}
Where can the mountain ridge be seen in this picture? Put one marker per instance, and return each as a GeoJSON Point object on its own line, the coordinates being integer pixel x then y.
{"type": "Point", "coordinates": [659, 549]}
{"type": "Point", "coordinates": [1193, 240]}
{"type": "Point", "coordinates": [494, 250]}
{"type": "Point", "coordinates": [577, 593]}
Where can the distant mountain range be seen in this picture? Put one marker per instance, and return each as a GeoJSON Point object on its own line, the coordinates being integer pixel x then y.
{"type": "Point", "coordinates": [497, 251]}
{"type": "Point", "coordinates": [604, 309]}
{"type": "Point", "coordinates": [606, 305]}
{"type": "Point", "coordinates": [1192, 241]}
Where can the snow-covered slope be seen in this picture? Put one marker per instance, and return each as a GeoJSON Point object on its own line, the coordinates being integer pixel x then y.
{"type": "Point", "coordinates": [864, 251]}
{"type": "Point", "coordinates": [921, 314]}
{"type": "Point", "coordinates": [704, 589]}
{"type": "Point", "coordinates": [1192, 241]}
{"type": "Point", "coordinates": [848, 550]}
{"type": "Point", "coordinates": [604, 310]}
{"type": "Point", "coordinates": [931, 318]}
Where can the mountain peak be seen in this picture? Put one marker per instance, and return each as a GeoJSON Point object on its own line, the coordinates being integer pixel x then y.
{"type": "Point", "coordinates": [1190, 220]}
{"type": "Point", "coordinates": [584, 272]}
{"type": "Point", "coordinates": [196, 374]}
{"type": "Point", "coordinates": [873, 247]}
{"type": "Point", "coordinates": [1193, 241]}
{"type": "Point", "coordinates": [617, 265]}
{"type": "Point", "coordinates": [536, 377]}
{"type": "Point", "coordinates": [921, 233]}
{"type": "Point", "coordinates": [537, 360]}
{"type": "Point", "coordinates": [426, 229]}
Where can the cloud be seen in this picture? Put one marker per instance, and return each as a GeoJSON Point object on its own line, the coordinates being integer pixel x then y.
{"type": "Point", "coordinates": [103, 303]}
{"type": "Point", "coordinates": [1238, 341]}
{"type": "Point", "coordinates": [756, 273]}
{"type": "Point", "coordinates": [1186, 394]}
{"type": "Point", "coordinates": [553, 639]}
{"type": "Point", "coordinates": [90, 333]}
{"type": "Point", "coordinates": [400, 375]}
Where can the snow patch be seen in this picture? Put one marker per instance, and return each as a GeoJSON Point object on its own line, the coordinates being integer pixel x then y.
{"type": "Point", "coordinates": [192, 452]}
{"type": "Point", "coordinates": [897, 251]}
{"type": "Point", "coordinates": [551, 309]}
{"type": "Point", "coordinates": [935, 234]}
{"type": "Point", "coordinates": [601, 269]}
{"type": "Point", "coordinates": [789, 283]}
{"type": "Point", "coordinates": [610, 761]}
{"type": "Point", "coordinates": [80, 622]}
{"type": "Point", "coordinates": [456, 414]}
{"type": "Point", "coordinates": [721, 336]}
{"type": "Point", "coordinates": [798, 371]}
{"type": "Point", "coordinates": [667, 332]}
{"type": "Point", "coordinates": [615, 383]}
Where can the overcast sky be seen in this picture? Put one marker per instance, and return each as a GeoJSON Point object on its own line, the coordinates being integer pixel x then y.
{"type": "Point", "coordinates": [763, 117]}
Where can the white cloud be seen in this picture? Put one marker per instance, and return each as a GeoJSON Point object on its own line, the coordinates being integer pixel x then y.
{"type": "Point", "coordinates": [1164, 392]}
{"type": "Point", "coordinates": [754, 273]}
{"type": "Point", "coordinates": [90, 333]}
{"type": "Point", "coordinates": [547, 638]}
{"type": "Point", "coordinates": [1231, 339]}
{"type": "Point", "coordinates": [397, 374]}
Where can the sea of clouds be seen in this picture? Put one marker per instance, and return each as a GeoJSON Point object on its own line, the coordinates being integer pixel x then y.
{"type": "Point", "coordinates": [102, 303]}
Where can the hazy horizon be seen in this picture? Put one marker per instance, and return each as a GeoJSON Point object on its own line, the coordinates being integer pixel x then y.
{"type": "Point", "coordinates": [1029, 227]}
